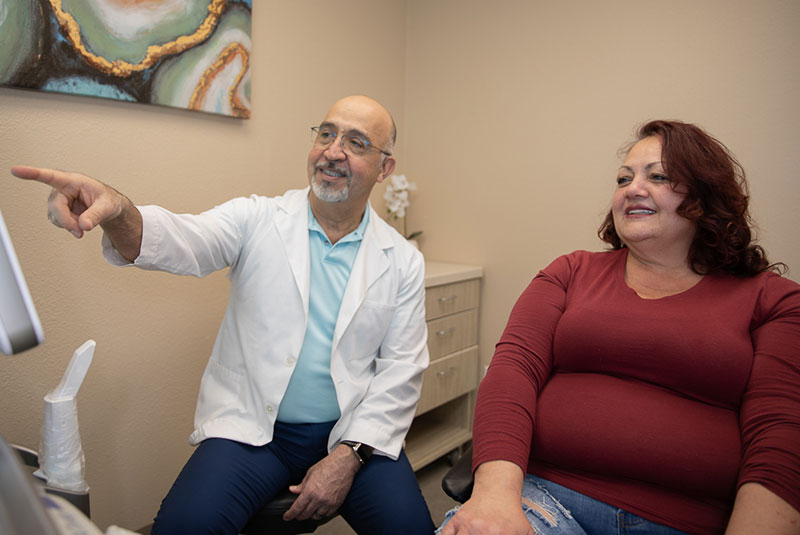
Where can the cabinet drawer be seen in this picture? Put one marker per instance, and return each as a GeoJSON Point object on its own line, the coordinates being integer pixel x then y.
{"type": "Point", "coordinates": [451, 298]}
{"type": "Point", "coordinates": [448, 378]}
{"type": "Point", "coordinates": [452, 333]}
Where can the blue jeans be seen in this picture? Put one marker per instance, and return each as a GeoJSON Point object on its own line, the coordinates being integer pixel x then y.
{"type": "Point", "coordinates": [224, 482]}
{"type": "Point", "coordinates": [558, 510]}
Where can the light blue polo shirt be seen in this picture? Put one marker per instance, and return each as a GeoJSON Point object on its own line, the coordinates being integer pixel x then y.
{"type": "Point", "coordinates": [311, 395]}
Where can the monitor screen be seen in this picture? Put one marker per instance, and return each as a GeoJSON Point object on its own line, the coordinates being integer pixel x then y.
{"type": "Point", "coordinates": [20, 328]}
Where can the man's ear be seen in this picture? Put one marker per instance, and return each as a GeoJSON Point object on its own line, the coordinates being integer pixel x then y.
{"type": "Point", "coordinates": [387, 167]}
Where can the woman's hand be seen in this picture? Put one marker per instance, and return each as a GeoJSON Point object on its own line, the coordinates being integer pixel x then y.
{"type": "Point", "coordinates": [494, 508]}
{"type": "Point", "coordinates": [489, 516]}
{"type": "Point", "coordinates": [759, 510]}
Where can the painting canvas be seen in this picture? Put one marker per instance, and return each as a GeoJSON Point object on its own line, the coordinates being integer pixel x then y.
{"type": "Point", "coordinates": [192, 54]}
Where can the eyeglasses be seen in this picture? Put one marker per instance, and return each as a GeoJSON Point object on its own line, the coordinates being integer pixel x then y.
{"type": "Point", "coordinates": [353, 145]}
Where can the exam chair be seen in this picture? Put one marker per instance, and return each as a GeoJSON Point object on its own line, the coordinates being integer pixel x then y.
{"type": "Point", "coordinates": [30, 458]}
{"type": "Point", "coordinates": [457, 482]}
{"type": "Point", "coordinates": [269, 519]}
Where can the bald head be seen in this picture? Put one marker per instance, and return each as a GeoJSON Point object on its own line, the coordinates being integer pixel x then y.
{"type": "Point", "coordinates": [341, 174]}
{"type": "Point", "coordinates": [383, 130]}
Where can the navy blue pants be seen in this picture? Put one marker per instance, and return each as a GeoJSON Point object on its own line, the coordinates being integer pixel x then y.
{"type": "Point", "coordinates": [224, 482]}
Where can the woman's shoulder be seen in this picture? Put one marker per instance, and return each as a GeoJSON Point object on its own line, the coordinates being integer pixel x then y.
{"type": "Point", "coordinates": [778, 294]}
{"type": "Point", "coordinates": [768, 282]}
{"type": "Point", "coordinates": [770, 293]}
{"type": "Point", "coordinates": [583, 265]}
{"type": "Point", "coordinates": [591, 260]}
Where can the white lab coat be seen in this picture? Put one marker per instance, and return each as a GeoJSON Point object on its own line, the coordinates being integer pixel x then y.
{"type": "Point", "coordinates": [379, 345]}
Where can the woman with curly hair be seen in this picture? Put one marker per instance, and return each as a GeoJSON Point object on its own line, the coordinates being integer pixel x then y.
{"type": "Point", "coordinates": [655, 387]}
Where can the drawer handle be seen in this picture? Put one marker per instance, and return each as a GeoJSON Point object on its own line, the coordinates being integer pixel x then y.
{"type": "Point", "coordinates": [444, 300]}
{"type": "Point", "coordinates": [442, 373]}
{"type": "Point", "coordinates": [445, 332]}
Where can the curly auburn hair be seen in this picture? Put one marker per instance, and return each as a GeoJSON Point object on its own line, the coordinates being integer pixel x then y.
{"type": "Point", "coordinates": [717, 201]}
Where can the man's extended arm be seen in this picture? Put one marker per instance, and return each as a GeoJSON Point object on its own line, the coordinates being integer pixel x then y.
{"type": "Point", "coordinates": [79, 203]}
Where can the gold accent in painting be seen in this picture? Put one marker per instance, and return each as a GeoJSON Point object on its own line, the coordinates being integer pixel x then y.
{"type": "Point", "coordinates": [122, 68]}
{"type": "Point", "coordinates": [225, 58]}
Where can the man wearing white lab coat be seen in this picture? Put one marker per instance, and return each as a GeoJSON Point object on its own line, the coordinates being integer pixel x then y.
{"type": "Point", "coordinates": [317, 367]}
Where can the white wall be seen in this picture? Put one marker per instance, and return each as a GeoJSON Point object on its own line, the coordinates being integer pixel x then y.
{"type": "Point", "coordinates": [516, 109]}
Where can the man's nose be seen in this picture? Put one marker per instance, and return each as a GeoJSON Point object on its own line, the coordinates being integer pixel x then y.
{"type": "Point", "coordinates": [334, 151]}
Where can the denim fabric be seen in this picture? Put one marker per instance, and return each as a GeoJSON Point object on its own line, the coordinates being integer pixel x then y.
{"type": "Point", "coordinates": [558, 510]}
{"type": "Point", "coordinates": [598, 518]}
{"type": "Point", "coordinates": [224, 482]}
{"type": "Point", "coordinates": [385, 499]}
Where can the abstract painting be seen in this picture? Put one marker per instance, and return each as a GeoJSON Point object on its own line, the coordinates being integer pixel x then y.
{"type": "Point", "coordinates": [192, 54]}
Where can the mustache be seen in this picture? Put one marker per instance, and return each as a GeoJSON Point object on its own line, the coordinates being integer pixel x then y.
{"type": "Point", "coordinates": [332, 167]}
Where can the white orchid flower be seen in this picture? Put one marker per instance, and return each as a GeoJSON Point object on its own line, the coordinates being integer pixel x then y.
{"type": "Point", "coordinates": [397, 199]}
{"type": "Point", "coordinates": [399, 181]}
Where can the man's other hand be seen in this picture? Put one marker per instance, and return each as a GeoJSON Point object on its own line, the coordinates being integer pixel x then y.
{"type": "Point", "coordinates": [325, 486]}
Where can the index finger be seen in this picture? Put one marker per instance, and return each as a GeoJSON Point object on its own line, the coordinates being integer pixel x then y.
{"type": "Point", "coordinates": [51, 177]}
{"type": "Point", "coordinates": [302, 506]}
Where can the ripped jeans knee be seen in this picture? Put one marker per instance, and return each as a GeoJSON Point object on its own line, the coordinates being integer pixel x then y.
{"type": "Point", "coordinates": [549, 515]}
{"type": "Point", "coordinates": [544, 513]}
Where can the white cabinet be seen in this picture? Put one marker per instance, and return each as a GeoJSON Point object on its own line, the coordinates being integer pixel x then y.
{"type": "Point", "coordinates": [443, 419]}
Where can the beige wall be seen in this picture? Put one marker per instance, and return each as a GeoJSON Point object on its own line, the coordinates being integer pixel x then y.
{"type": "Point", "coordinates": [515, 111]}
{"type": "Point", "coordinates": [154, 331]}
{"type": "Point", "coordinates": [510, 114]}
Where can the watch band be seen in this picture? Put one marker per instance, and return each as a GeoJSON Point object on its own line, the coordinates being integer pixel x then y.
{"type": "Point", "coordinates": [362, 452]}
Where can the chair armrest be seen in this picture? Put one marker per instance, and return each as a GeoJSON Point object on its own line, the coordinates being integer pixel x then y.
{"type": "Point", "coordinates": [279, 504]}
{"type": "Point", "coordinates": [457, 482]}
{"type": "Point", "coordinates": [269, 519]}
{"type": "Point", "coordinates": [29, 457]}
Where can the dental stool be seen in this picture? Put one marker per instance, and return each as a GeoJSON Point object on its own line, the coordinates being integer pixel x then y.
{"type": "Point", "coordinates": [269, 519]}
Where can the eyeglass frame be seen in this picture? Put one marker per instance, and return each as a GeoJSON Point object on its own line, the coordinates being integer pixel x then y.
{"type": "Point", "coordinates": [370, 145]}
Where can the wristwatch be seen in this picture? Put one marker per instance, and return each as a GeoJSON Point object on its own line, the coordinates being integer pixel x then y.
{"type": "Point", "coordinates": [362, 452]}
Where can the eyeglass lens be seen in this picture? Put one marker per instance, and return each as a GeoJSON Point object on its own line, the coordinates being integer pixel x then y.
{"type": "Point", "coordinates": [323, 137]}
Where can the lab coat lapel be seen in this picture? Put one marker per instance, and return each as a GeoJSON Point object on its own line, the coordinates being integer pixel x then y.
{"type": "Point", "coordinates": [371, 262]}
{"type": "Point", "coordinates": [291, 220]}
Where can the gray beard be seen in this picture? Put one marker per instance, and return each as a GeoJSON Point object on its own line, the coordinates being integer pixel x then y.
{"type": "Point", "coordinates": [324, 191]}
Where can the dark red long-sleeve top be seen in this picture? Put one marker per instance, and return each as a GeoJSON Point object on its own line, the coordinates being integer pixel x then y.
{"type": "Point", "coordinates": [662, 407]}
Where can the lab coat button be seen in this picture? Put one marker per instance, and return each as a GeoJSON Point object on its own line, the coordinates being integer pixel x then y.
{"type": "Point", "coordinates": [270, 409]}
{"type": "Point", "coordinates": [290, 361]}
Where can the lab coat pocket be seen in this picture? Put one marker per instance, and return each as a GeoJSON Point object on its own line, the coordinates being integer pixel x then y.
{"type": "Point", "coordinates": [368, 329]}
{"type": "Point", "coordinates": [220, 392]}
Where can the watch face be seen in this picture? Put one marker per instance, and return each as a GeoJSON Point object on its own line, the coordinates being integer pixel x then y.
{"type": "Point", "coordinates": [365, 451]}
{"type": "Point", "coordinates": [362, 451]}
